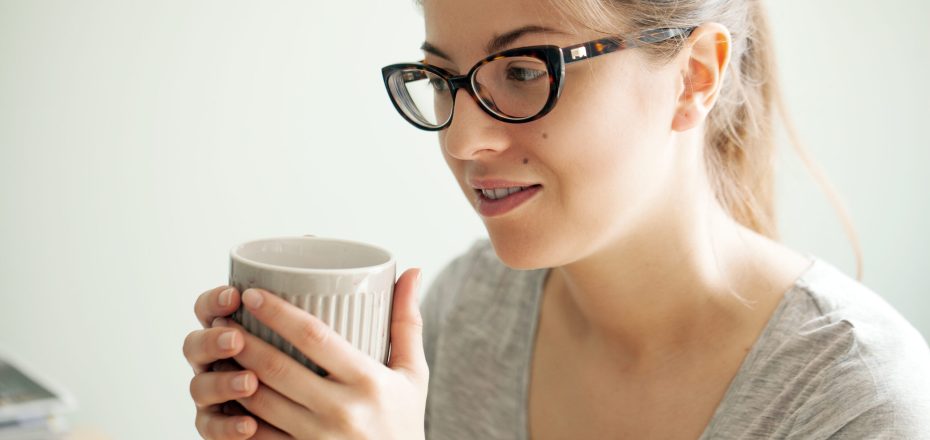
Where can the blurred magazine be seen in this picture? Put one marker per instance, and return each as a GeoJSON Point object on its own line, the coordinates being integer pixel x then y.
{"type": "Point", "coordinates": [48, 428]}
{"type": "Point", "coordinates": [30, 404]}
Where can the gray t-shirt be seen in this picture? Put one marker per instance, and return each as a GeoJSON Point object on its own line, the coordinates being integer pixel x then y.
{"type": "Point", "coordinates": [834, 361]}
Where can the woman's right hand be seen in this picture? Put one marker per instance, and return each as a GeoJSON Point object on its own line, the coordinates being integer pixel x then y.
{"type": "Point", "coordinates": [216, 379]}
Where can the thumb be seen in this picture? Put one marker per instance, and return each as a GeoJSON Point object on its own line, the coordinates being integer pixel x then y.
{"type": "Point", "coordinates": [407, 327]}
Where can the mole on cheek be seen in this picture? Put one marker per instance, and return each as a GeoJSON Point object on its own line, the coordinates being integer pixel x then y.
{"type": "Point", "coordinates": [545, 136]}
{"type": "Point", "coordinates": [525, 161]}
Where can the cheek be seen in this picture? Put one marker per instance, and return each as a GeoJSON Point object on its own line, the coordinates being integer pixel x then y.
{"type": "Point", "coordinates": [604, 145]}
{"type": "Point", "coordinates": [596, 179]}
{"type": "Point", "coordinates": [608, 150]}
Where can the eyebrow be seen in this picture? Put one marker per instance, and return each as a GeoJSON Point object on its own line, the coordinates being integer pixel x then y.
{"type": "Point", "coordinates": [498, 42]}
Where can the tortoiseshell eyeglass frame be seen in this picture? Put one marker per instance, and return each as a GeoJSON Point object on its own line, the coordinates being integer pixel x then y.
{"type": "Point", "coordinates": [554, 57]}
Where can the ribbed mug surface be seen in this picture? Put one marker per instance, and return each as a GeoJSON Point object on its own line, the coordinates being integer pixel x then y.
{"type": "Point", "coordinates": [348, 285]}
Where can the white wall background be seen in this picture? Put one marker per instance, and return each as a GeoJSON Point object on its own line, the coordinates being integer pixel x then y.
{"type": "Point", "coordinates": [140, 140]}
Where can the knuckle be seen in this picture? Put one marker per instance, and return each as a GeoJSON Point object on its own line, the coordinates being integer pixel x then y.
{"type": "Point", "coordinates": [198, 392]}
{"type": "Point", "coordinates": [200, 422]}
{"type": "Point", "coordinates": [197, 348]}
{"type": "Point", "coordinates": [256, 402]}
{"type": "Point", "coordinates": [272, 310]}
{"type": "Point", "coordinates": [370, 385]}
{"type": "Point", "coordinates": [200, 306]}
{"type": "Point", "coordinates": [349, 417]}
{"type": "Point", "coordinates": [213, 428]}
{"type": "Point", "coordinates": [205, 305]}
{"type": "Point", "coordinates": [194, 389]}
{"type": "Point", "coordinates": [188, 342]}
{"type": "Point", "coordinates": [274, 366]}
{"type": "Point", "coordinates": [315, 332]}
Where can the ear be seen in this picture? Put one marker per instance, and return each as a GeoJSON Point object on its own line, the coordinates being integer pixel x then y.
{"type": "Point", "coordinates": [704, 60]}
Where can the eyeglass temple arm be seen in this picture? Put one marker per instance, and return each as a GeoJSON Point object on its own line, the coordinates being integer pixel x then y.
{"type": "Point", "coordinates": [603, 46]}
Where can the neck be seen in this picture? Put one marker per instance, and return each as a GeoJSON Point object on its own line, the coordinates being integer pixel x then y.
{"type": "Point", "coordinates": [667, 291]}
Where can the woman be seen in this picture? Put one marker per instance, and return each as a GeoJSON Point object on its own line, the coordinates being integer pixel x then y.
{"type": "Point", "coordinates": [619, 154]}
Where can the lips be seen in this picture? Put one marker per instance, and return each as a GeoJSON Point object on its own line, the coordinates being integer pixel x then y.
{"type": "Point", "coordinates": [504, 200]}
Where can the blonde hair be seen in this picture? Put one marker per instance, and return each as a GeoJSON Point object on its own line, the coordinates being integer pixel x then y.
{"type": "Point", "coordinates": [740, 135]}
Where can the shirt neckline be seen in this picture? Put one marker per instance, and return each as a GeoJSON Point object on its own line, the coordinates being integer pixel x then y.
{"type": "Point", "coordinates": [720, 413]}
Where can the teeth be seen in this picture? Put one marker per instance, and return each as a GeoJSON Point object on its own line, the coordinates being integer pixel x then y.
{"type": "Point", "coordinates": [499, 193]}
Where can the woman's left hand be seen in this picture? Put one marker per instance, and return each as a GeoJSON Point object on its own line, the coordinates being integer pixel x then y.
{"type": "Point", "coordinates": [360, 398]}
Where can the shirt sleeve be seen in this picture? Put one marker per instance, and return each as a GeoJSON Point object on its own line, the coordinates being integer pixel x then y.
{"type": "Point", "coordinates": [435, 304]}
{"type": "Point", "coordinates": [867, 397]}
{"type": "Point", "coordinates": [430, 311]}
{"type": "Point", "coordinates": [889, 420]}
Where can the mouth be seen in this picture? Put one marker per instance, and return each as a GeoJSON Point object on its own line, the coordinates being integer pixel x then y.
{"type": "Point", "coordinates": [495, 194]}
{"type": "Point", "coordinates": [494, 202]}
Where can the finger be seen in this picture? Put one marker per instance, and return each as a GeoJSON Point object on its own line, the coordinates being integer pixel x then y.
{"type": "Point", "coordinates": [216, 302]}
{"type": "Point", "coordinates": [407, 328]}
{"type": "Point", "coordinates": [264, 430]}
{"type": "Point", "coordinates": [310, 335]}
{"type": "Point", "coordinates": [213, 425]}
{"type": "Point", "coordinates": [280, 411]}
{"type": "Point", "coordinates": [215, 388]}
{"type": "Point", "coordinates": [282, 373]}
{"type": "Point", "coordinates": [268, 432]}
{"type": "Point", "coordinates": [202, 347]}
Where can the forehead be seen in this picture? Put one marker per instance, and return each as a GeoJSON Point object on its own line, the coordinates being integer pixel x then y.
{"type": "Point", "coordinates": [462, 29]}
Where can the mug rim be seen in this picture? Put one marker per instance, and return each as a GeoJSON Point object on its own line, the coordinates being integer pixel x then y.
{"type": "Point", "coordinates": [234, 255]}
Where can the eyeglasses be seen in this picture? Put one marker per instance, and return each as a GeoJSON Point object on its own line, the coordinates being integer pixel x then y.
{"type": "Point", "coordinates": [516, 85]}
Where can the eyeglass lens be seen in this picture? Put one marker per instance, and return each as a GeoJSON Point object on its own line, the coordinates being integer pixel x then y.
{"type": "Point", "coordinates": [511, 87]}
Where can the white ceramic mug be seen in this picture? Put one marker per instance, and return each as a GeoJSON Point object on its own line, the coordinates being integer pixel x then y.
{"type": "Point", "coordinates": [347, 284]}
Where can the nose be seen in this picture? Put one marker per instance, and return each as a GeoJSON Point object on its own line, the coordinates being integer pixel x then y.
{"type": "Point", "coordinates": [473, 133]}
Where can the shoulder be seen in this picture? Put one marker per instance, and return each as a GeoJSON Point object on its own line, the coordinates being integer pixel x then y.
{"type": "Point", "coordinates": [475, 280]}
{"type": "Point", "coordinates": [469, 284]}
{"type": "Point", "coordinates": [479, 260]}
{"type": "Point", "coordinates": [838, 310]}
{"type": "Point", "coordinates": [860, 365]}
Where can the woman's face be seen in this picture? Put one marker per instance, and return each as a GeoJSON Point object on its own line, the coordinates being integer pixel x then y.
{"type": "Point", "coordinates": [603, 156]}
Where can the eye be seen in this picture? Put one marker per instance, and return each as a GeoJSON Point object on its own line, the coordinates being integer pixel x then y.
{"type": "Point", "coordinates": [438, 84]}
{"type": "Point", "coordinates": [524, 74]}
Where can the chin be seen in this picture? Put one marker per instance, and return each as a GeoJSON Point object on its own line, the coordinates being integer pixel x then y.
{"type": "Point", "coordinates": [521, 251]}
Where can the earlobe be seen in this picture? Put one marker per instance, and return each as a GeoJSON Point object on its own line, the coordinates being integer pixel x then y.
{"type": "Point", "coordinates": [707, 56]}
{"type": "Point", "coordinates": [685, 119]}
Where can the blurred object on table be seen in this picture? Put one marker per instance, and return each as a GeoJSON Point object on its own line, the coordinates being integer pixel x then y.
{"type": "Point", "coordinates": [31, 406]}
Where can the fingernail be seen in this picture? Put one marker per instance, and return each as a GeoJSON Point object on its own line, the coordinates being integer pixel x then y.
{"type": "Point", "coordinates": [227, 340]}
{"type": "Point", "coordinates": [219, 322]}
{"type": "Point", "coordinates": [226, 297]}
{"type": "Point", "coordinates": [241, 382]}
{"type": "Point", "coordinates": [252, 298]}
{"type": "Point", "coordinates": [242, 427]}
{"type": "Point", "coordinates": [419, 277]}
